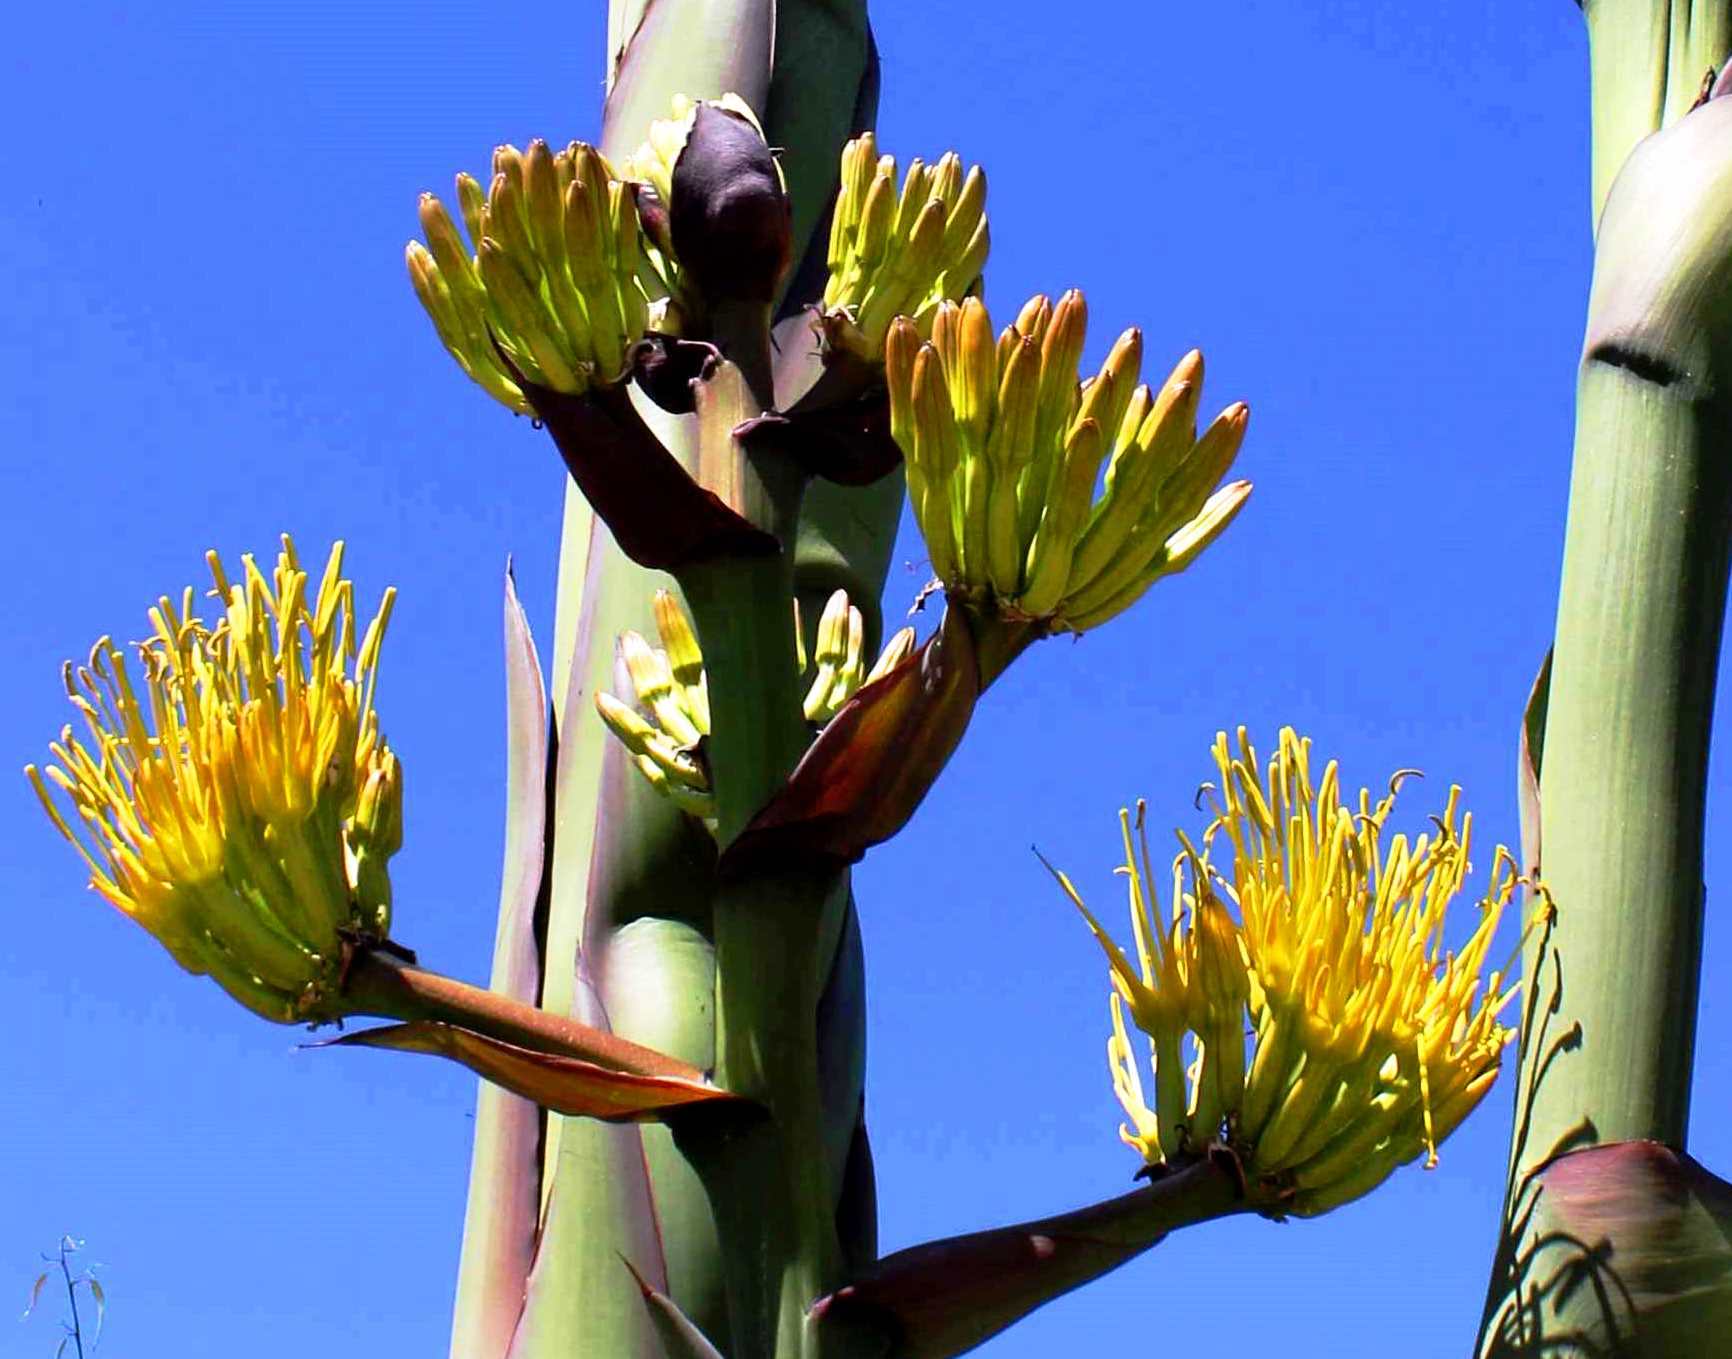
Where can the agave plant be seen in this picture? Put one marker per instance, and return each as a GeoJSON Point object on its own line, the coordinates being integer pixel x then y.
{"type": "Point", "coordinates": [746, 330]}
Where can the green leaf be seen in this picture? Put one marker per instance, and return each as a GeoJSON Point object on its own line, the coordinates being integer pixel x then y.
{"type": "Point", "coordinates": [500, 1223]}
{"type": "Point", "coordinates": [601, 1203]}
{"type": "Point", "coordinates": [679, 1337]}
{"type": "Point", "coordinates": [1533, 738]}
{"type": "Point", "coordinates": [35, 1294]}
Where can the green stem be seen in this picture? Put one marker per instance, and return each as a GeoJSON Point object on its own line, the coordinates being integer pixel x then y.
{"type": "Point", "coordinates": [768, 1181]}
{"type": "Point", "coordinates": [1647, 59]}
{"type": "Point", "coordinates": [1609, 1018]}
{"type": "Point", "coordinates": [744, 618]}
{"type": "Point", "coordinates": [775, 936]}
{"type": "Point", "coordinates": [741, 330]}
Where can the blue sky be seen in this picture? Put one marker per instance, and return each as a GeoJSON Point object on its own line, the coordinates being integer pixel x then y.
{"type": "Point", "coordinates": [1372, 217]}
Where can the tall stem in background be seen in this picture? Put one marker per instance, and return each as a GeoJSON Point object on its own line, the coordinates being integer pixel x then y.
{"type": "Point", "coordinates": [1647, 59]}
{"type": "Point", "coordinates": [1610, 1012]}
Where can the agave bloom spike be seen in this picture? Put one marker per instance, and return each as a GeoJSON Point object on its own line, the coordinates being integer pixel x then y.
{"type": "Point", "coordinates": [240, 803]}
{"type": "Point", "coordinates": [1003, 448]}
{"type": "Point", "coordinates": [1371, 1042]}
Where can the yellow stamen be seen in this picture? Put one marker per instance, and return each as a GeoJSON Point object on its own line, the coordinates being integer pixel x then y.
{"type": "Point", "coordinates": [1370, 1036]}
{"type": "Point", "coordinates": [216, 798]}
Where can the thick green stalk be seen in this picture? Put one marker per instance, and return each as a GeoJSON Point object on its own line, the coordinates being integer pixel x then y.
{"type": "Point", "coordinates": [768, 1180]}
{"type": "Point", "coordinates": [632, 881]}
{"type": "Point", "coordinates": [775, 936]}
{"type": "Point", "coordinates": [1648, 59]}
{"type": "Point", "coordinates": [630, 893]}
{"type": "Point", "coordinates": [1610, 1012]}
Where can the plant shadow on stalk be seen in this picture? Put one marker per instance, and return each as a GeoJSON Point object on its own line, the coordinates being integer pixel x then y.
{"type": "Point", "coordinates": [1519, 1329]}
{"type": "Point", "coordinates": [1619, 1248]}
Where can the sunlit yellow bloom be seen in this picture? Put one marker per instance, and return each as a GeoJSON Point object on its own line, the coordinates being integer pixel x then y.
{"type": "Point", "coordinates": [239, 802]}
{"type": "Point", "coordinates": [556, 274]}
{"type": "Point", "coordinates": [1189, 978]}
{"type": "Point", "coordinates": [1371, 1042]}
{"type": "Point", "coordinates": [1003, 448]}
{"type": "Point", "coordinates": [665, 726]}
{"type": "Point", "coordinates": [900, 252]}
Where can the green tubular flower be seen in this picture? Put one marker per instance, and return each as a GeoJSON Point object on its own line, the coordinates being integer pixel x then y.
{"type": "Point", "coordinates": [560, 279]}
{"type": "Point", "coordinates": [1371, 1043]}
{"type": "Point", "coordinates": [665, 725]}
{"type": "Point", "coordinates": [900, 252]}
{"type": "Point", "coordinates": [1003, 448]}
{"type": "Point", "coordinates": [249, 831]}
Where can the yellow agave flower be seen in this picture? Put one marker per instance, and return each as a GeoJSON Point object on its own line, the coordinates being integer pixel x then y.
{"type": "Point", "coordinates": [665, 726]}
{"type": "Point", "coordinates": [1370, 1042]}
{"type": "Point", "coordinates": [1003, 447]}
{"type": "Point", "coordinates": [240, 803]}
{"type": "Point", "coordinates": [900, 252]}
{"type": "Point", "coordinates": [556, 273]}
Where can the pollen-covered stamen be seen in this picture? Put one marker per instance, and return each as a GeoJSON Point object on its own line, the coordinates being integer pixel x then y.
{"type": "Point", "coordinates": [1372, 1041]}
{"type": "Point", "coordinates": [217, 795]}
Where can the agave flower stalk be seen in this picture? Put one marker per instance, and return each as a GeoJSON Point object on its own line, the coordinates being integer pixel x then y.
{"type": "Point", "coordinates": [1626, 717]}
{"type": "Point", "coordinates": [630, 910]}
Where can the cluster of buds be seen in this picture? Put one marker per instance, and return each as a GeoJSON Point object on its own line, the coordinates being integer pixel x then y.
{"type": "Point", "coordinates": [249, 831]}
{"type": "Point", "coordinates": [1370, 1043]}
{"type": "Point", "coordinates": [1003, 448]}
{"type": "Point", "coordinates": [664, 729]}
{"type": "Point", "coordinates": [899, 253]}
{"type": "Point", "coordinates": [561, 283]}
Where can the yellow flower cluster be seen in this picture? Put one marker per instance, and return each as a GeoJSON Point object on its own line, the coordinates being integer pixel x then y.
{"type": "Point", "coordinates": [1370, 1041]}
{"type": "Point", "coordinates": [560, 277]}
{"type": "Point", "coordinates": [900, 252]}
{"type": "Point", "coordinates": [1003, 446]}
{"type": "Point", "coordinates": [665, 727]}
{"type": "Point", "coordinates": [240, 802]}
